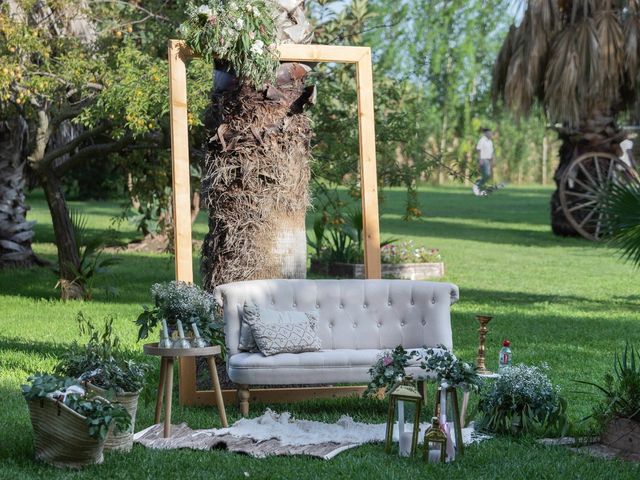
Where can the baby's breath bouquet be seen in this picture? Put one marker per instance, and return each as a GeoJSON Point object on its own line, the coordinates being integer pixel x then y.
{"type": "Point", "coordinates": [182, 301]}
{"type": "Point", "coordinates": [522, 400]}
{"type": "Point", "coordinates": [239, 32]}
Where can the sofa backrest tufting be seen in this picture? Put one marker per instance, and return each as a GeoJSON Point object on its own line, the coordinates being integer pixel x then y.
{"type": "Point", "coordinates": [353, 314]}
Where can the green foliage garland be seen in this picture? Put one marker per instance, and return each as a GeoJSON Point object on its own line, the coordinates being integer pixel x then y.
{"type": "Point", "coordinates": [240, 32]}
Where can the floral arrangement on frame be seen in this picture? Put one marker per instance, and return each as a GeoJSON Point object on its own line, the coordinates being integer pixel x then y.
{"type": "Point", "coordinates": [241, 33]}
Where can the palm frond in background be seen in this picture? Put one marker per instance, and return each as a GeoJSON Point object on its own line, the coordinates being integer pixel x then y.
{"type": "Point", "coordinates": [623, 219]}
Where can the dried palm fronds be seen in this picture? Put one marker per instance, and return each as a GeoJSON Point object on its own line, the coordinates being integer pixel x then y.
{"type": "Point", "coordinates": [577, 57]}
{"type": "Point", "coordinates": [611, 43]}
{"type": "Point", "coordinates": [631, 38]}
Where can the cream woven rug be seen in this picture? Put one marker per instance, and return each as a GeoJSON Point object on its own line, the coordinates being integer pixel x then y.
{"type": "Point", "coordinates": [278, 434]}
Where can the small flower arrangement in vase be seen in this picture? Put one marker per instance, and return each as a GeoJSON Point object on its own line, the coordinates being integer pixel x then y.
{"type": "Point", "coordinates": [185, 303]}
{"type": "Point", "coordinates": [389, 366]}
{"type": "Point", "coordinates": [449, 370]}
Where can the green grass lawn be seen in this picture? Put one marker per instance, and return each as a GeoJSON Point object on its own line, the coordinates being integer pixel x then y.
{"type": "Point", "coordinates": [566, 302]}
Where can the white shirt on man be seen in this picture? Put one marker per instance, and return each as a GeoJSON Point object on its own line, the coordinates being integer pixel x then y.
{"type": "Point", "coordinates": [485, 146]}
{"type": "Point", "coordinates": [626, 145]}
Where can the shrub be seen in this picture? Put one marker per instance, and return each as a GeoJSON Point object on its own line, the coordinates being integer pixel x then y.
{"type": "Point", "coordinates": [621, 389]}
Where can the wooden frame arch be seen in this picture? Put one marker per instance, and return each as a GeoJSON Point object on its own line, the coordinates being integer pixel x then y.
{"type": "Point", "coordinates": [179, 55]}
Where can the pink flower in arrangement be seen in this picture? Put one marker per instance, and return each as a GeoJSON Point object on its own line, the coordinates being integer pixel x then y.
{"type": "Point", "coordinates": [386, 361]}
{"type": "Point", "coordinates": [213, 19]}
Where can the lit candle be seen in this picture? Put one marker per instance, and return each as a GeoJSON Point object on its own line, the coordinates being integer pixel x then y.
{"type": "Point", "coordinates": [405, 444]}
{"type": "Point", "coordinates": [434, 455]}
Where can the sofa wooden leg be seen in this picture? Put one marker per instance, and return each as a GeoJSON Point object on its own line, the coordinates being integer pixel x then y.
{"type": "Point", "coordinates": [243, 399]}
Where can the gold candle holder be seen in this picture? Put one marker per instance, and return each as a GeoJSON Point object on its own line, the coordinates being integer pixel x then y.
{"type": "Point", "coordinates": [484, 320]}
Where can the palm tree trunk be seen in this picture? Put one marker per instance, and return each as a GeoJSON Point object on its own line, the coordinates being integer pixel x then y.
{"type": "Point", "coordinates": [256, 173]}
{"type": "Point", "coordinates": [16, 233]}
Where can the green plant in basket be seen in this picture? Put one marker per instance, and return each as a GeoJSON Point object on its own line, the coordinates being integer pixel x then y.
{"type": "Point", "coordinates": [100, 414]}
{"type": "Point", "coordinates": [186, 302]}
{"type": "Point", "coordinates": [523, 400]}
{"type": "Point", "coordinates": [241, 33]}
{"type": "Point", "coordinates": [100, 361]}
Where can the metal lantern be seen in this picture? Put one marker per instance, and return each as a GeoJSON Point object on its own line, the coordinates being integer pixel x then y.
{"type": "Point", "coordinates": [435, 443]}
{"type": "Point", "coordinates": [447, 410]}
{"type": "Point", "coordinates": [405, 404]}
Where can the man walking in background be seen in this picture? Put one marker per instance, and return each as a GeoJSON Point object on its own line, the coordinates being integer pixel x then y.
{"type": "Point", "coordinates": [627, 151]}
{"type": "Point", "coordinates": [485, 161]}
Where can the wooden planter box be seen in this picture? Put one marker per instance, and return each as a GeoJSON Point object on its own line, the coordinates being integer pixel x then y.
{"type": "Point", "coordinates": [405, 271]}
{"type": "Point", "coordinates": [623, 434]}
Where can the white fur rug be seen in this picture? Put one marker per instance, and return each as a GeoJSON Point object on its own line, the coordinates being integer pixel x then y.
{"type": "Point", "coordinates": [279, 434]}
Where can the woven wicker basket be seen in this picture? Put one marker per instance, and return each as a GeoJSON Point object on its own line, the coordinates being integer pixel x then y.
{"type": "Point", "coordinates": [120, 440]}
{"type": "Point", "coordinates": [62, 436]}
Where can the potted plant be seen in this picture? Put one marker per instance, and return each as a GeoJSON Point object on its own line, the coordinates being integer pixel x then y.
{"type": "Point", "coordinates": [338, 252]}
{"type": "Point", "coordinates": [70, 426]}
{"type": "Point", "coordinates": [103, 368]}
{"type": "Point", "coordinates": [618, 412]}
{"type": "Point", "coordinates": [186, 302]}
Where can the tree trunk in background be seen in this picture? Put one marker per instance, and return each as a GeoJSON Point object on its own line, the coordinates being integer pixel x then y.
{"type": "Point", "coordinates": [600, 134]}
{"type": "Point", "coordinates": [68, 253]}
{"type": "Point", "coordinates": [16, 233]}
{"type": "Point", "coordinates": [256, 172]}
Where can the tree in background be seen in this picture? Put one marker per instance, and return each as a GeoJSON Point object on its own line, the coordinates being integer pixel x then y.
{"type": "Point", "coordinates": [432, 77]}
{"type": "Point", "coordinates": [87, 87]}
{"type": "Point", "coordinates": [580, 61]}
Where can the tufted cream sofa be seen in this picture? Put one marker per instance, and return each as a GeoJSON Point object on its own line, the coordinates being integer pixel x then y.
{"type": "Point", "coordinates": [357, 320]}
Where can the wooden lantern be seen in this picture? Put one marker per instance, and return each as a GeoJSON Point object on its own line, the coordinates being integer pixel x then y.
{"type": "Point", "coordinates": [435, 441]}
{"type": "Point", "coordinates": [405, 405]}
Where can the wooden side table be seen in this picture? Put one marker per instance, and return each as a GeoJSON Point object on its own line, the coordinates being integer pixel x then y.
{"type": "Point", "coordinates": [165, 384]}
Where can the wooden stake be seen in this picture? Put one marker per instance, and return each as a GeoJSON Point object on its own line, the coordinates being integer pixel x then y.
{"type": "Point", "coordinates": [180, 162]}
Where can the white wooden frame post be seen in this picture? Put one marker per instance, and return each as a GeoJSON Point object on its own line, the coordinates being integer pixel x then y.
{"type": "Point", "coordinates": [179, 54]}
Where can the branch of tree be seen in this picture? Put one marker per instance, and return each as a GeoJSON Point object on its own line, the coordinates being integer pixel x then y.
{"type": "Point", "coordinates": [72, 145]}
{"type": "Point", "coordinates": [71, 111]}
{"type": "Point", "coordinates": [92, 152]}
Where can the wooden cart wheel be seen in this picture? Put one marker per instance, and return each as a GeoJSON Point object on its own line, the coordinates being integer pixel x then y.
{"type": "Point", "coordinates": [584, 187]}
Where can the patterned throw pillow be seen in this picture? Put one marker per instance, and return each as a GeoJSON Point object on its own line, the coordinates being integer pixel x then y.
{"type": "Point", "coordinates": [282, 332]}
{"type": "Point", "coordinates": [252, 314]}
